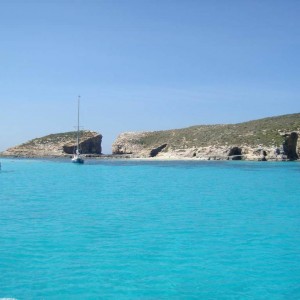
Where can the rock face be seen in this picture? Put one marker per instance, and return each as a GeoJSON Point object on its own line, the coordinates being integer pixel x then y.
{"type": "Point", "coordinates": [265, 139]}
{"type": "Point", "coordinates": [129, 143]}
{"type": "Point", "coordinates": [60, 144]}
{"type": "Point", "coordinates": [90, 145]}
{"type": "Point", "coordinates": [290, 145]}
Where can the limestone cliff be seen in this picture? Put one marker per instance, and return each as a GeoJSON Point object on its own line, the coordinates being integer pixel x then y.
{"type": "Point", "coordinates": [268, 138]}
{"type": "Point", "coordinates": [60, 144]}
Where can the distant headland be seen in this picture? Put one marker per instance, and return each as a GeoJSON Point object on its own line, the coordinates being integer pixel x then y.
{"type": "Point", "coordinates": [273, 138]}
{"type": "Point", "coordinates": [58, 145]}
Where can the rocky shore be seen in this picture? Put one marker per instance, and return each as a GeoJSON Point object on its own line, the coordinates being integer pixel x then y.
{"type": "Point", "coordinates": [210, 152]}
{"type": "Point", "coordinates": [273, 138]}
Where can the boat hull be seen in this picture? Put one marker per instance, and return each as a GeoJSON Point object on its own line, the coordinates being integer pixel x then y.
{"type": "Point", "coordinates": [77, 160]}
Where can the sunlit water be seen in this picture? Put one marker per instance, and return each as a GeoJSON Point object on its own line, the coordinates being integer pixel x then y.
{"type": "Point", "coordinates": [149, 230]}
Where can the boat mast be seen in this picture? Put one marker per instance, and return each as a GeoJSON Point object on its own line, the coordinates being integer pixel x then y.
{"type": "Point", "coordinates": [78, 125]}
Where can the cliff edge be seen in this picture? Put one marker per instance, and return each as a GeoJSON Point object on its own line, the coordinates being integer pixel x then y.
{"type": "Point", "coordinates": [59, 144]}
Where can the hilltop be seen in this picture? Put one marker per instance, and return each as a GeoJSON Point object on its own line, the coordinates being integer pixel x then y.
{"type": "Point", "coordinates": [215, 141]}
{"type": "Point", "coordinates": [59, 144]}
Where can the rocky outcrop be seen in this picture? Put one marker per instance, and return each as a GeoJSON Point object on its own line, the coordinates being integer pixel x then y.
{"type": "Point", "coordinates": [60, 144]}
{"type": "Point", "coordinates": [129, 143]}
{"type": "Point", "coordinates": [274, 138]}
{"type": "Point", "coordinates": [90, 145]}
{"type": "Point", "coordinates": [290, 145]}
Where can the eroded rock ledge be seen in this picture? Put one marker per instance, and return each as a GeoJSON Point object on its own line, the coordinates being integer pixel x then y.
{"type": "Point", "coordinates": [60, 144]}
{"type": "Point", "coordinates": [273, 138]}
{"type": "Point", "coordinates": [289, 150]}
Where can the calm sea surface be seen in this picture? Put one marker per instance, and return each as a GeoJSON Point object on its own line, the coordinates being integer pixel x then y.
{"type": "Point", "coordinates": [149, 230]}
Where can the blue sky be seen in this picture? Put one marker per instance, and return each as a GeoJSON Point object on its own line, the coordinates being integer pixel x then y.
{"type": "Point", "coordinates": [144, 65]}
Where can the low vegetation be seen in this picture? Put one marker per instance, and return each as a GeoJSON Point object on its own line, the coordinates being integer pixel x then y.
{"type": "Point", "coordinates": [267, 131]}
{"type": "Point", "coordinates": [70, 136]}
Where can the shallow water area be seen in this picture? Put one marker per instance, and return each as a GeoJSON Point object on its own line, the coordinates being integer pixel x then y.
{"type": "Point", "coordinates": [126, 229]}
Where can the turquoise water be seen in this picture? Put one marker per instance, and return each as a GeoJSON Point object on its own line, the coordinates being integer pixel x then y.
{"type": "Point", "coordinates": [149, 230]}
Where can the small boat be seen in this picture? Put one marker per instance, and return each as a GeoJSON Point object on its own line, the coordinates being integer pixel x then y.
{"type": "Point", "coordinates": [77, 158]}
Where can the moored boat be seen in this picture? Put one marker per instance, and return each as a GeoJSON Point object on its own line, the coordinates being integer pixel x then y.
{"type": "Point", "coordinates": [77, 158]}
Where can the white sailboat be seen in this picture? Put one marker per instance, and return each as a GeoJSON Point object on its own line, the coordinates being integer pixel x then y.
{"type": "Point", "coordinates": [77, 158]}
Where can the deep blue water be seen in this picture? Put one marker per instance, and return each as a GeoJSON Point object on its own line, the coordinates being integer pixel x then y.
{"type": "Point", "coordinates": [149, 230]}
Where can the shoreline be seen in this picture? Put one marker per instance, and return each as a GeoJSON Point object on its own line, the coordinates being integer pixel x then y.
{"type": "Point", "coordinates": [113, 157]}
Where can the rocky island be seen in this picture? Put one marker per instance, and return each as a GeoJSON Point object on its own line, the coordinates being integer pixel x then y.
{"type": "Point", "coordinates": [269, 138]}
{"type": "Point", "coordinates": [274, 138]}
{"type": "Point", "coordinates": [58, 145]}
